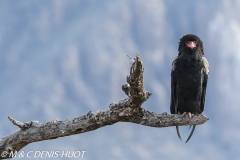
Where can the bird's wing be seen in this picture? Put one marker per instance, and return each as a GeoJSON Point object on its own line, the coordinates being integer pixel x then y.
{"type": "Point", "coordinates": [204, 84]}
{"type": "Point", "coordinates": [173, 106]}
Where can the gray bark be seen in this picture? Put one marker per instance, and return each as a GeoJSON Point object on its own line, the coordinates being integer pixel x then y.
{"type": "Point", "coordinates": [127, 110]}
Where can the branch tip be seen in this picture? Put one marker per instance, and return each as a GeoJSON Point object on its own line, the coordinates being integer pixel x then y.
{"type": "Point", "coordinates": [17, 123]}
{"type": "Point", "coordinates": [21, 125]}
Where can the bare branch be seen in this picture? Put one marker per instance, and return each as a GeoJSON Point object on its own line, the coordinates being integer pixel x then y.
{"type": "Point", "coordinates": [127, 110]}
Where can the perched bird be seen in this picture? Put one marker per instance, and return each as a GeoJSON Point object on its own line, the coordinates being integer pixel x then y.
{"type": "Point", "coordinates": [189, 77]}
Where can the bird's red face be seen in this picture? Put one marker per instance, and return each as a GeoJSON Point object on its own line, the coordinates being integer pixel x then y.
{"type": "Point", "coordinates": [191, 44]}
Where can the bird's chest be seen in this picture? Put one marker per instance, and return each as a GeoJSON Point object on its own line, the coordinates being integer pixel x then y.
{"type": "Point", "coordinates": [189, 70]}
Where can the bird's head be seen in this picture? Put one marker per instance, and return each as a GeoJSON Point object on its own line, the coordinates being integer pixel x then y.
{"type": "Point", "coordinates": [190, 43]}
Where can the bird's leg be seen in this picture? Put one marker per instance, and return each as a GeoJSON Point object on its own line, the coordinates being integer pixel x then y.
{"type": "Point", "coordinates": [189, 115]}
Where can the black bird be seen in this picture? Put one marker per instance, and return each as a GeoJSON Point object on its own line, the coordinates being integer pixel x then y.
{"type": "Point", "coordinates": [189, 77]}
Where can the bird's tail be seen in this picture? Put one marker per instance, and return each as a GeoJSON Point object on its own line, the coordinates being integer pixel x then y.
{"type": "Point", "coordinates": [178, 133]}
{"type": "Point", "coordinates": [191, 133]}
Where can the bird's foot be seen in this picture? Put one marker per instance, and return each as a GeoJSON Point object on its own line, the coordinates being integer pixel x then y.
{"type": "Point", "coordinates": [188, 113]}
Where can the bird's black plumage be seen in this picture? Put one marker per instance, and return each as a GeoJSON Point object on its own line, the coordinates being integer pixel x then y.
{"type": "Point", "coordinates": [189, 77]}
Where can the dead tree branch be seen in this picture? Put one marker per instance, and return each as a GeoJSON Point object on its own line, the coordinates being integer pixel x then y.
{"type": "Point", "coordinates": [127, 110]}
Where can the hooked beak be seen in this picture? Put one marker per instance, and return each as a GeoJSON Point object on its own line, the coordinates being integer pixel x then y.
{"type": "Point", "coordinates": [191, 44]}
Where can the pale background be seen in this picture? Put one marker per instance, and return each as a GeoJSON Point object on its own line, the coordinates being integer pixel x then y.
{"type": "Point", "coordinates": [60, 59]}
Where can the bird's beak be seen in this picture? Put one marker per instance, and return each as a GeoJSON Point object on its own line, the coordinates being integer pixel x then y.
{"type": "Point", "coordinates": [191, 44]}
